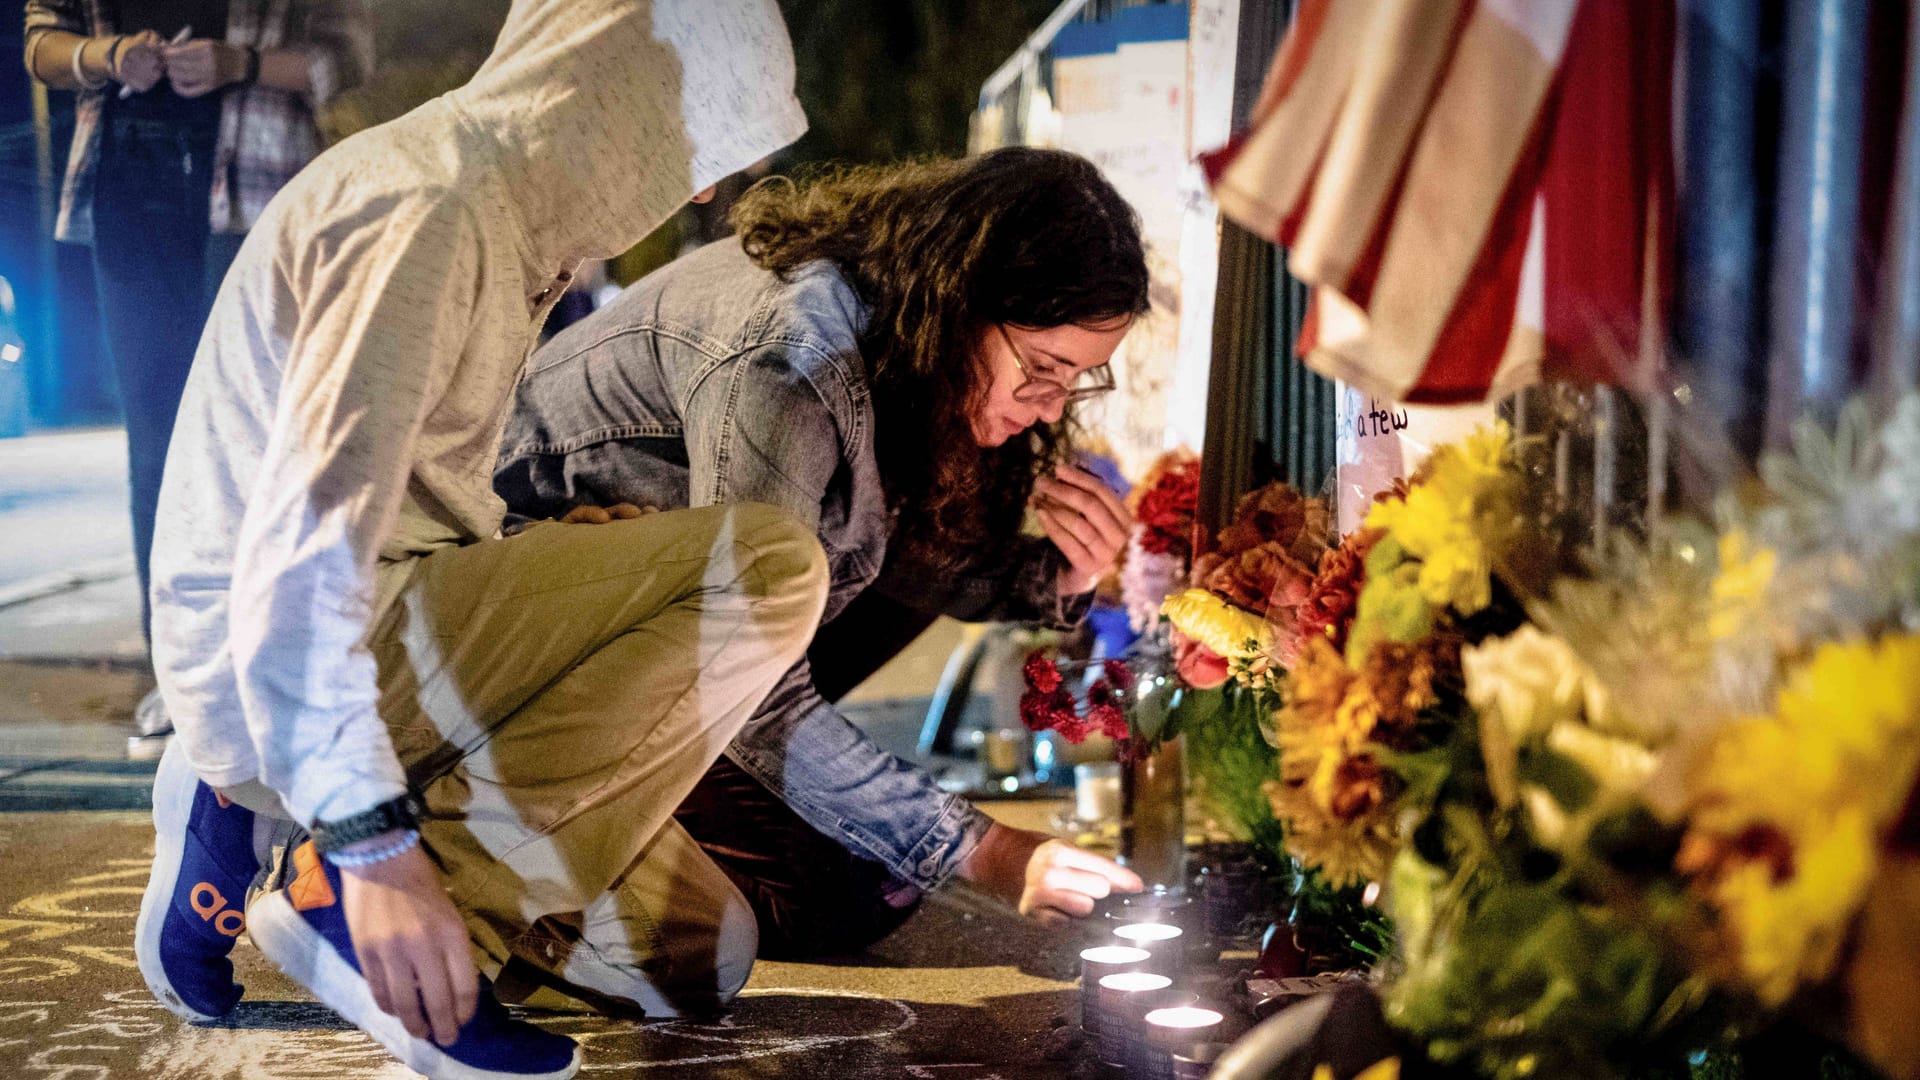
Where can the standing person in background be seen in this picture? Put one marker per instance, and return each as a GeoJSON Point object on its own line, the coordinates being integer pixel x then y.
{"type": "Point", "coordinates": [191, 115]}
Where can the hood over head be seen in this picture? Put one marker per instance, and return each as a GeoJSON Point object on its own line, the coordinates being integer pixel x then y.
{"type": "Point", "coordinates": [610, 114]}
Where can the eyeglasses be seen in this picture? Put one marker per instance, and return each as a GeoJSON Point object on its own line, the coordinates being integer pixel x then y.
{"type": "Point", "coordinates": [1044, 391]}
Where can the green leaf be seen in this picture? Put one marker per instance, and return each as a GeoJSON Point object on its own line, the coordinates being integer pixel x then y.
{"type": "Point", "coordinates": [1565, 779]}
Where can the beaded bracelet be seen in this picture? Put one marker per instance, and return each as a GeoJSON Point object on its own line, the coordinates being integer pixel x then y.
{"type": "Point", "coordinates": [81, 76]}
{"type": "Point", "coordinates": [407, 842]}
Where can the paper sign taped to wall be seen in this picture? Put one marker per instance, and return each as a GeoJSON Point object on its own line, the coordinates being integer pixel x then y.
{"type": "Point", "coordinates": [1377, 442]}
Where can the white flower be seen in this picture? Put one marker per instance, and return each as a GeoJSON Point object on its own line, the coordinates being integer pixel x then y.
{"type": "Point", "coordinates": [1531, 682]}
{"type": "Point", "coordinates": [1899, 476]}
{"type": "Point", "coordinates": [1146, 580]}
{"type": "Point", "coordinates": [1618, 766]}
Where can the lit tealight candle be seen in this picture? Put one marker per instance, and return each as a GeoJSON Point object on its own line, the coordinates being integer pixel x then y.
{"type": "Point", "coordinates": [1097, 963]}
{"type": "Point", "coordinates": [1118, 995]}
{"type": "Point", "coordinates": [1163, 940]}
{"type": "Point", "coordinates": [1174, 1031]}
{"type": "Point", "coordinates": [1096, 792]}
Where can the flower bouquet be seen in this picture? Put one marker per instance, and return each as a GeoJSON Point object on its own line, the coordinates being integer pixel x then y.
{"type": "Point", "coordinates": [1141, 713]}
{"type": "Point", "coordinates": [1641, 804]}
{"type": "Point", "coordinates": [1259, 598]}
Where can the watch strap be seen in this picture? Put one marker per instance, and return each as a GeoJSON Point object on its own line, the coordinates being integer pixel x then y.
{"type": "Point", "coordinates": [390, 816]}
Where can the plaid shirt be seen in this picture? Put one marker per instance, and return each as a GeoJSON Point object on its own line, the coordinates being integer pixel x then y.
{"type": "Point", "coordinates": [266, 135]}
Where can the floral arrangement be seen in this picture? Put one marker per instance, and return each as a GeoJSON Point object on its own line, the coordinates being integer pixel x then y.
{"type": "Point", "coordinates": [1633, 798]}
{"type": "Point", "coordinates": [1242, 617]}
{"type": "Point", "coordinates": [1251, 608]}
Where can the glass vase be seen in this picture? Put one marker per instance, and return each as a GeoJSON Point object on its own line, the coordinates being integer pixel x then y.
{"type": "Point", "coordinates": [1153, 817]}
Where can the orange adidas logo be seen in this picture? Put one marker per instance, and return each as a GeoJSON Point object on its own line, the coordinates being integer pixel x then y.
{"type": "Point", "coordinates": [212, 907]}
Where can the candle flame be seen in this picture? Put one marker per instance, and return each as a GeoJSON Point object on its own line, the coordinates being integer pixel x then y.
{"type": "Point", "coordinates": [1147, 932]}
{"type": "Point", "coordinates": [1130, 982]}
{"type": "Point", "coordinates": [1185, 1016]}
{"type": "Point", "coordinates": [1114, 954]}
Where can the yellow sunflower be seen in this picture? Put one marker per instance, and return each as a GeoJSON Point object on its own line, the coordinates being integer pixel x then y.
{"type": "Point", "coordinates": [1787, 808]}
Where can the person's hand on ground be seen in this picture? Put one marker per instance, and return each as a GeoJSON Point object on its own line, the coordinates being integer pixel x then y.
{"type": "Point", "coordinates": [1049, 880]}
{"type": "Point", "coordinates": [600, 515]}
{"type": "Point", "coordinates": [203, 65]}
{"type": "Point", "coordinates": [140, 61]}
{"type": "Point", "coordinates": [411, 944]}
{"type": "Point", "coordinates": [1085, 520]}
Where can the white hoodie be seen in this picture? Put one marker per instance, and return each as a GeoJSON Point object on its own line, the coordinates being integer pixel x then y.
{"type": "Point", "coordinates": [345, 405]}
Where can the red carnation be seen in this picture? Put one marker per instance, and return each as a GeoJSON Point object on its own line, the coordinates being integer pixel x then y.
{"type": "Point", "coordinates": [1040, 673]}
{"type": "Point", "coordinates": [1121, 674]}
{"type": "Point", "coordinates": [1072, 728]}
{"type": "Point", "coordinates": [1166, 507]}
{"type": "Point", "coordinates": [1109, 719]}
{"type": "Point", "coordinates": [1036, 710]}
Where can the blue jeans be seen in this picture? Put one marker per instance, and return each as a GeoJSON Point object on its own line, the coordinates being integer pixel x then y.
{"type": "Point", "coordinates": [156, 268]}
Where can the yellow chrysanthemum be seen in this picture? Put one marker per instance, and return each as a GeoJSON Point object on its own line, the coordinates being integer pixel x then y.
{"type": "Point", "coordinates": [1791, 930]}
{"type": "Point", "coordinates": [1384, 1069]}
{"type": "Point", "coordinates": [1347, 852]}
{"type": "Point", "coordinates": [1740, 588]}
{"type": "Point", "coordinates": [1826, 774]}
{"type": "Point", "coordinates": [1456, 519]}
{"type": "Point", "coordinates": [1233, 632]}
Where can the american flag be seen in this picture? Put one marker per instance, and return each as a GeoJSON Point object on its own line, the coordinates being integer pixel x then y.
{"type": "Point", "coordinates": [1478, 192]}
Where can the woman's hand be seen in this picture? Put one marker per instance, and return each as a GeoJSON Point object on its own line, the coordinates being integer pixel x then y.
{"type": "Point", "coordinates": [201, 66]}
{"type": "Point", "coordinates": [1049, 880]}
{"type": "Point", "coordinates": [140, 61]}
{"type": "Point", "coordinates": [1085, 520]}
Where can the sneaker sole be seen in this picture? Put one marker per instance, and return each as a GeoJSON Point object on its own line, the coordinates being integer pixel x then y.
{"type": "Point", "coordinates": [298, 950]}
{"type": "Point", "coordinates": [170, 815]}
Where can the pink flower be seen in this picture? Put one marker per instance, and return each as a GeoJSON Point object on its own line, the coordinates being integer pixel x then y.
{"type": "Point", "coordinates": [1199, 666]}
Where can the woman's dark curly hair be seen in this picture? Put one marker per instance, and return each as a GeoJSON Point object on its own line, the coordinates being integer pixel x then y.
{"type": "Point", "coordinates": [940, 251]}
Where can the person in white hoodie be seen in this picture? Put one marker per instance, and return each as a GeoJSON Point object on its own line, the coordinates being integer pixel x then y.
{"type": "Point", "coordinates": [480, 733]}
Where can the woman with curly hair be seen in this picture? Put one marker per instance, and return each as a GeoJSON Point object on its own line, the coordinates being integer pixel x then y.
{"type": "Point", "coordinates": [893, 354]}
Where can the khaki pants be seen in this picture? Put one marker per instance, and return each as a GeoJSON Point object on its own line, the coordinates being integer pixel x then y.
{"type": "Point", "coordinates": [554, 696]}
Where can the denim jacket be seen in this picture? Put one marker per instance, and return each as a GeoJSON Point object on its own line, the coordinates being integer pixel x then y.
{"type": "Point", "coordinates": [714, 381]}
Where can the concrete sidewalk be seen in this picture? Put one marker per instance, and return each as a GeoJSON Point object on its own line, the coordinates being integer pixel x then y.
{"type": "Point", "coordinates": [67, 586]}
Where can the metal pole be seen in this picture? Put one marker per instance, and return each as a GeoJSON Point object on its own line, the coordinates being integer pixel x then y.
{"type": "Point", "coordinates": [1818, 212]}
{"type": "Point", "coordinates": [46, 336]}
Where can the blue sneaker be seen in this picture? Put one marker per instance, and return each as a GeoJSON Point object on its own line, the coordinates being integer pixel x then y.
{"type": "Point", "coordinates": [303, 930]}
{"type": "Point", "coordinates": [194, 907]}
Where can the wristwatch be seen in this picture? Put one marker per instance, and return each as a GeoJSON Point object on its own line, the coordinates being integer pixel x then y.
{"type": "Point", "coordinates": [389, 816]}
{"type": "Point", "coordinates": [252, 74]}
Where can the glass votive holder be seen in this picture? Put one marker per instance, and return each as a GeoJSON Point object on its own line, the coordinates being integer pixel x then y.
{"type": "Point", "coordinates": [1228, 890]}
{"type": "Point", "coordinates": [1096, 792]}
{"type": "Point", "coordinates": [1122, 1001]}
{"type": "Point", "coordinates": [1163, 940]}
{"type": "Point", "coordinates": [1197, 1063]}
{"type": "Point", "coordinates": [1141, 1056]}
{"type": "Point", "coordinates": [1178, 1030]}
{"type": "Point", "coordinates": [1097, 963]}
